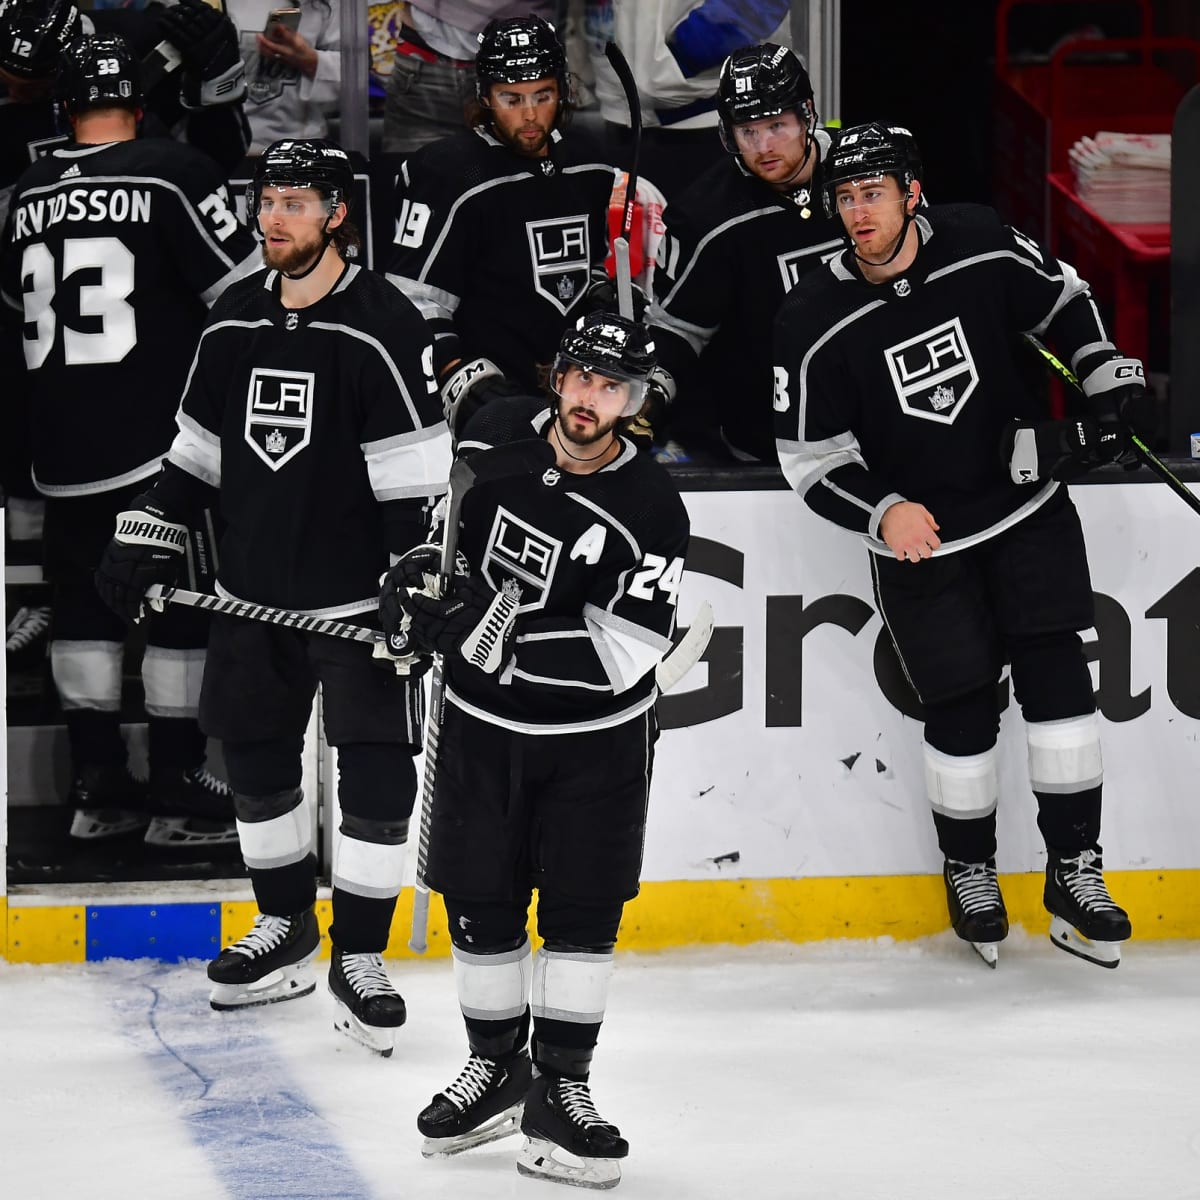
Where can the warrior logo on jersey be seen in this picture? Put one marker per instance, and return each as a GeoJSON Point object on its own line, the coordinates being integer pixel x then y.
{"type": "Point", "coordinates": [795, 263]}
{"type": "Point", "coordinates": [517, 551]}
{"type": "Point", "coordinates": [933, 373]}
{"type": "Point", "coordinates": [279, 414]}
{"type": "Point", "coordinates": [560, 252]}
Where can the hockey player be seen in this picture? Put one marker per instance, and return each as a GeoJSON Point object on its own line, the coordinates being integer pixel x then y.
{"type": "Point", "coordinates": [735, 242]}
{"type": "Point", "coordinates": [113, 249]}
{"type": "Point", "coordinates": [901, 416]}
{"type": "Point", "coordinates": [311, 405]}
{"type": "Point", "coordinates": [545, 751]}
{"type": "Point", "coordinates": [201, 102]}
{"type": "Point", "coordinates": [499, 229]}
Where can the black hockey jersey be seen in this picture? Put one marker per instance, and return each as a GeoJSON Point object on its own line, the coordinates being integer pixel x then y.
{"type": "Point", "coordinates": [901, 390]}
{"type": "Point", "coordinates": [111, 255]}
{"type": "Point", "coordinates": [733, 248]}
{"type": "Point", "coordinates": [496, 249]}
{"type": "Point", "coordinates": [310, 421]}
{"type": "Point", "coordinates": [598, 559]}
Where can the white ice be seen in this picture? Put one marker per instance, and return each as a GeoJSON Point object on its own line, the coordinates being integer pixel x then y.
{"type": "Point", "coordinates": [849, 1070]}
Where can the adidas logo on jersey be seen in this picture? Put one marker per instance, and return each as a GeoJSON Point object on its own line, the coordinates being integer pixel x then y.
{"type": "Point", "coordinates": [71, 172]}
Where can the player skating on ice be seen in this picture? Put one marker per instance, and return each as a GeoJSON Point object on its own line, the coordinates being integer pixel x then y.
{"type": "Point", "coordinates": [563, 605]}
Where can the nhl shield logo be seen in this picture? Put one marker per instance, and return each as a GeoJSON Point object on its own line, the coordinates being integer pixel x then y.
{"type": "Point", "coordinates": [517, 551]}
{"type": "Point", "coordinates": [559, 250]}
{"type": "Point", "coordinates": [279, 414]}
{"type": "Point", "coordinates": [933, 373]}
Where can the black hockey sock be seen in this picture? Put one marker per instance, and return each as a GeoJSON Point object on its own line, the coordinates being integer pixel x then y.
{"type": "Point", "coordinates": [285, 891]}
{"type": "Point", "coordinates": [361, 924]}
{"type": "Point", "coordinates": [175, 742]}
{"type": "Point", "coordinates": [498, 1040]}
{"type": "Point", "coordinates": [568, 1061]}
{"type": "Point", "coordinates": [1069, 822]}
{"type": "Point", "coordinates": [971, 840]}
{"type": "Point", "coordinates": [95, 738]}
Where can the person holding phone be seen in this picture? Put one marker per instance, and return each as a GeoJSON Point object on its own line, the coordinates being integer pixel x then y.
{"type": "Point", "coordinates": [293, 63]}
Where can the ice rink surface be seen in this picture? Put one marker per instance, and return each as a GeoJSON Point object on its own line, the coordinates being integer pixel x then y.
{"type": "Point", "coordinates": [849, 1070]}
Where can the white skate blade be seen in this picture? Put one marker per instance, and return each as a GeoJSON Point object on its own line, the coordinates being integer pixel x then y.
{"type": "Point", "coordinates": [94, 823]}
{"type": "Point", "coordinates": [541, 1159]}
{"type": "Point", "coordinates": [1066, 937]}
{"type": "Point", "coordinates": [502, 1125]}
{"type": "Point", "coordinates": [285, 983]}
{"type": "Point", "coordinates": [182, 833]}
{"type": "Point", "coordinates": [379, 1039]}
{"type": "Point", "coordinates": [988, 951]}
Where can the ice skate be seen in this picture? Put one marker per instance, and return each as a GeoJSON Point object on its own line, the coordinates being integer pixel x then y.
{"type": "Point", "coordinates": [1084, 919]}
{"type": "Point", "coordinates": [369, 1009]}
{"type": "Point", "coordinates": [192, 809]}
{"type": "Point", "coordinates": [482, 1105]}
{"type": "Point", "coordinates": [27, 636]}
{"type": "Point", "coordinates": [977, 909]}
{"type": "Point", "coordinates": [270, 964]}
{"type": "Point", "coordinates": [108, 802]}
{"type": "Point", "coordinates": [566, 1140]}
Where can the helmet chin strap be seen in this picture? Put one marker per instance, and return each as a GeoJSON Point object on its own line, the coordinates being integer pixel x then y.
{"type": "Point", "coordinates": [326, 238]}
{"type": "Point", "coordinates": [908, 219]}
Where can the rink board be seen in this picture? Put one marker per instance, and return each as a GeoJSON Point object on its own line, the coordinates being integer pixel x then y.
{"type": "Point", "coordinates": [788, 795]}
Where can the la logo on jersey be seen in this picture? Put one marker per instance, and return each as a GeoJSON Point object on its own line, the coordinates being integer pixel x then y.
{"type": "Point", "coordinates": [794, 263]}
{"type": "Point", "coordinates": [933, 373]}
{"type": "Point", "coordinates": [279, 414]}
{"type": "Point", "coordinates": [559, 250]}
{"type": "Point", "coordinates": [518, 551]}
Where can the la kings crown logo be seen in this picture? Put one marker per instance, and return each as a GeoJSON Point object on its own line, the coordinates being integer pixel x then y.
{"type": "Point", "coordinates": [279, 414]}
{"type": "Point", "coordinates": [517, 551]}
{"type": "Point", "coordinates": [559, 250]}
{"type": "Point", "coordinates": [933, 373]}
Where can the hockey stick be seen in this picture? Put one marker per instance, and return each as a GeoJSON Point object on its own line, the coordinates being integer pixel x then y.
{"type": "Point", "coordinates": [516, 458]}
{"type": "Point", "coordinates": [689, 651]}
{"type": "Point", "coordinates": [1144, 452]}
{"type": "Point", "coordinates": [621, 243]}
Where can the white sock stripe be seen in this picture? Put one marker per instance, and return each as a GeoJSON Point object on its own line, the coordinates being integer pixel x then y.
{"type": "Point", "coordinates": [571, 986]}
{"type": "Point", "coordinates": [1065, 756]}
{"type": "Point", "coordinates": [368, 869]}
{"type": "Point", "coordinates": [492, 987]}
{"type": "Point", "coordinates": [962, 786]}
{"type": "Point", "coordinates": [87, 674]}
{"type": "Point", "coordinates": [172, 680]}
{"type": "Point", "coordinates": [278, 842]}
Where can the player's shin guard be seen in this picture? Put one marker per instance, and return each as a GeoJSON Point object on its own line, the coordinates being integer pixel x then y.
{"type": "Point", "coordinates": [1066, 770]}
{"type": "Point", "coordinates": [368, 863]}
{"type": "Point", "coordinates": [963, 791]}
{"type": "Point", "coordinates": [484, 1103]}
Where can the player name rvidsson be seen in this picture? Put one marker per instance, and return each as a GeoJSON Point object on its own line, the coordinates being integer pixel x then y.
{"type": "Point", "coordinates": [82, 204]}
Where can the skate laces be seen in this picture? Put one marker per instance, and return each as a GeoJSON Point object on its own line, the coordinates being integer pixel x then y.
{"type": "Point", "coordinates": [1084, 880]}
{"type": "Point", "coordinates": [208, 781]}
{"type": "Point", "coordinates": [472, 1082]}
{"type": "Point", "coordinates": [28, 625]}
{"type": "Point", "coordinates": [365, 974]}
{"type": "Point", "coordinates": [577, 1102]}
{"type": "Point", "coordinates": [268, 932]}
{"type": "Point", "coordinates": [975, 886]}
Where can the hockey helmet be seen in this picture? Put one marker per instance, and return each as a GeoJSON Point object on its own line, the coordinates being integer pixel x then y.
{"type": "Point", "coordinates": [613, 346]}
{"type": "Point", "coordinates": [33, 33]}
{"type": "Point", "coordinates": [520, 50]}
{"type": "Point", "coordinates": [869, 152]}
{"type": "Point", "coordinates": [762, 81]}
{"type": "Point", "coordinates": [308, 163]}
{"type": "Point", "coordinates": [98, 72]}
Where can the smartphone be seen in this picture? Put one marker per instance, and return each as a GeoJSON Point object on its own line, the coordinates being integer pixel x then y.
{"type": "Point", "coordinates": [290, 17]}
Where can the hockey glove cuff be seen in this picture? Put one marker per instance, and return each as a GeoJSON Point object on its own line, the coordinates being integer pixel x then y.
{"type": "Point", "coordinates": [147, 548]}
{"type": "Point", "coordinates": [468, 377]}
{"type": "Point", "coordinates": [1058, 449]}
{"type": "Point", "coordinates": [474, 620]}
{"type": "Point", "coordinates": [1116, 391]}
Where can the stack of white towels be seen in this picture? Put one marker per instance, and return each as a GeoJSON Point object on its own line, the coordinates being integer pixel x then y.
{"type": "Point", "coordinates": [1124, 177]}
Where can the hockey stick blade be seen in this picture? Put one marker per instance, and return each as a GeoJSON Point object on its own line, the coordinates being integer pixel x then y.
{"type": "Point", "coordinates": [690, 650]}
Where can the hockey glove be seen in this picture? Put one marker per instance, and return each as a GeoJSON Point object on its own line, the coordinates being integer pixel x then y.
{"type": "Point", "coordinates": [147, 548]}
{"type": "Point", "coordinates": [207, 41]}
{"type": "Point", "coordinates": [474, 620]}
{"type": "Point", "coordinates": [647, 425]}
{"type": "Point", "coordinates": [471, 385]}
{"type": "Point", "coordinates": [1058, 449]}
{"type": "Point", "coordinates": [1120, 403]}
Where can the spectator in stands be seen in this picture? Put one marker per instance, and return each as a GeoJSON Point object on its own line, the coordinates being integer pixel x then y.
{"type": "Point", "coordinates": [433, 77]}
{"type": "Point", "coordinates": [293, 68]}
